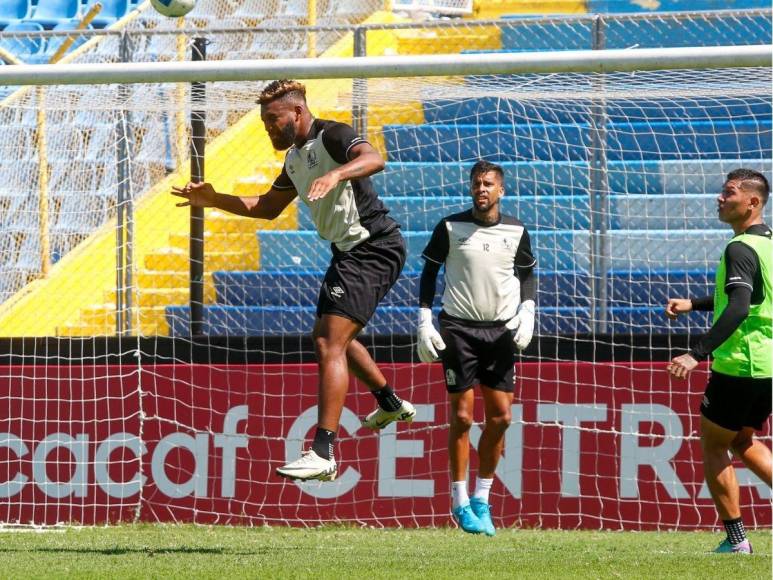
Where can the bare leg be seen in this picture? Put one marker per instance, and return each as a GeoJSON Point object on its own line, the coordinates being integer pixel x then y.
{"type": "Point", "coordinates": [718, 469]}
{"type": "Point", "coordinates": [332, 336]}
{"type": "Point", "coordinates": [754, 453]}
{"type": "Point", "coordinates": [362, 366]}
{"type": "Point", "coordinates": [492, 440]}
{"type": "Point", "coordinates": [459, 433]}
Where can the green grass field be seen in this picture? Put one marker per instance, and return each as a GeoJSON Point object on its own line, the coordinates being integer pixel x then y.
{"type": "Point", "coordinates": [146, 551]}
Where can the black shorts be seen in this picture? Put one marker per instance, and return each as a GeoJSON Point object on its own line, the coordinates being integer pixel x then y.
{"type": "Point", "coordinates": [737, 402]}
{"type": "Point", "coordinates": [357, 280]}
{"type": "Point", "coordinates": [477, 353]}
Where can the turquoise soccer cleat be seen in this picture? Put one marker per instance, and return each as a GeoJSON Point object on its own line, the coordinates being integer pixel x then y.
{"type": "Point", "coordinates": [467, 520]}
{"type": "Point", "coordinates": [483, 511]}
{"type": "Point", "coordinates": [726, 547]}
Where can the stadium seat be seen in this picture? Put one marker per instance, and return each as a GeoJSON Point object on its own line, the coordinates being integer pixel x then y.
{"type": "Point", "coordinates": [272, 320]}
{"type": "Point", "coordinates": [305, 250]}
{"type": "Point", "coordinates": [634, 320]}
{"type": "Point", "coordinates": [112, 11]}
{"type": "Point", "coordinates": [649, 141]}
{"type": "Point", "coordinates": [530, 34]}
{"type": "Point", "coordinates": [301, 288]}
{"type": "Point", "coordinates": [655, 287]}
{"type": "Point", "coordinates": [629, 6]}
{"type": "Point", "coordinates": [499, 111]}
{"type": "Point", "coordinates": [54, 42]}
{"type": "Point", "coordinates": [423, 213]}
{"type": "Point", "coordinates": [296, 288]}
{"type": "Point", "coordinates": [15, 142]}
{"type": "Point", "coordinates": [13, 11]}
{"type": "Point", "coordinates": [23, 47]}
{"type": "Point", "coordinates": [49, 13]}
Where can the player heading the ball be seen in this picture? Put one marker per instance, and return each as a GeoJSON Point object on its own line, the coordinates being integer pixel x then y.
{"type": "Point", "coordinates": [328, 166]}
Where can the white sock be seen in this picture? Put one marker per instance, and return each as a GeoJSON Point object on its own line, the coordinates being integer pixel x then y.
{"type": "Point", "coordinates": [482, 488]}
{"type": "Point", "coordinates": [459, 494]}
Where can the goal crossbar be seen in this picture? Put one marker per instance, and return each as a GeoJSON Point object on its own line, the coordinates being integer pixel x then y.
{"type": "Point", "coordinates": [579, 61]}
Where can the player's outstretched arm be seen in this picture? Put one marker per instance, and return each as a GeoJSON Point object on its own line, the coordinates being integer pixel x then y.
{"type": "Point", "coordinates": [266, 206]}
{"type": "Point", "coordinates": [677, 306]}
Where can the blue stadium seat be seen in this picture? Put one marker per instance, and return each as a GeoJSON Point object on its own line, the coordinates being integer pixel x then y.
{"type": "Point", "coordinates": [305, 250]}
{"type": "Point", "coordinates": [54, 42]}
{"type": "Point", "coordinates": [49, 13]}
{"type": "Point", "coordinates": [530, 34]}
{"type": "Point", "coordinates": [499, 111]}
{"type": "Point", "coordinates": [655, 287]}
{"type": "Point", "coordinates": [301, 288]}
{"type": "Point", "coordinates": [530, 178]}
{"type": "Point", "coordinates": [296, 288]}
{"type": "Point", "coordinates": [538, 178]}
{"type": "Point", "coordinates": [625, 141]}
{"type": "Point", "coordinates": [631, 320]}
{"type": "Point", "coordinates": [561, 289]}
{"type": "Point", "coordinates": [423, 213]}
{"type": "Point", "coordinates": [555, 250]}
{"type": "Point", "coordinates": [23, 47]}
{"type": "Point", "coordinates": [13, 11]}
{"type": "Point", "coordinates": [631, 6]}
{"type": "Point", "coordinates": [272, 320]}
{"type": "Point", "coordinates": [112, 11]}
{"type": "Point", "coordinates": [663, 212]}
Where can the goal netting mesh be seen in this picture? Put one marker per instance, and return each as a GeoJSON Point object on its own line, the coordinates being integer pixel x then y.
{"type": "Point", "coordinates": [615, 175]}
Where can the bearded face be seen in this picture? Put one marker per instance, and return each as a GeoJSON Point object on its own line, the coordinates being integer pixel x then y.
{"type": "Point", "coordinates": [280, 119]}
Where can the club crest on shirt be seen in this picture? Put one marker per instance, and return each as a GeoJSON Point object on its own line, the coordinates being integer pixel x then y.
{"type": "Point", "coordinates": [311, 159]}
{"type": "Point", "coordinates": [450, 377]}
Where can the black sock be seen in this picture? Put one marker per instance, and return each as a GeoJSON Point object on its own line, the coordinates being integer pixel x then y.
{"type": "Point", "coordinates": [387, 400]}
{"type": "Point", "coordinates": [323, 443]}
{"type": "Point", "coordinates": [735, 530]}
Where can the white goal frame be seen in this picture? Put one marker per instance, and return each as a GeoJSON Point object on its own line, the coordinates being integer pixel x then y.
{"type": "Point", "coordinates": [585, 61]}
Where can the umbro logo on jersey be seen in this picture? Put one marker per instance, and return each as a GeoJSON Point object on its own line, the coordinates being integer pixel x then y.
{"type": "Point", "coordinates": [463, 240]}
{"type": "Point", "coordinates": [337, 291]}
{"type": "Point", "coordinates": [312, 160]}
{"type": "Point", "coordinates": [705, 401]}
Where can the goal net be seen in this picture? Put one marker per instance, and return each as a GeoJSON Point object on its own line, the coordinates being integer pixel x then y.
{"type": "Point", "coordinates": [115, 412]}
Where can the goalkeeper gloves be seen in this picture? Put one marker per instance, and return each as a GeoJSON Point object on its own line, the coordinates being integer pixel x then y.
{"type": "Point", "coordinates": [429, 340]}
{"type": "Point", "coordinates": [522, 324]}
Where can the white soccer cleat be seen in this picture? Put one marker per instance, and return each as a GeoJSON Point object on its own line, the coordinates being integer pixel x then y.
{"type": "Point", "coordinates": [379, 418]}
{"type": "Point", "coordinates": [310, 467]}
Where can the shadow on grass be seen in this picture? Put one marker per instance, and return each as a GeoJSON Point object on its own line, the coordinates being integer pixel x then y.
{"type": "Point", "coordinates": [148, 551]}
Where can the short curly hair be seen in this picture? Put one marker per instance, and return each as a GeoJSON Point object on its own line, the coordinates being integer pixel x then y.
{"type": "Point", "coordinates": [280, 89]}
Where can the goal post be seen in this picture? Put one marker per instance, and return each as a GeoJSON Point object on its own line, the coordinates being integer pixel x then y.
{"type": "Point", "coordinates": [612, 160]}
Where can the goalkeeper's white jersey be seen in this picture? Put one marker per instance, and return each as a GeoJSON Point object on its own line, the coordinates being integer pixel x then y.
{"type": "Point", "coordinates": [481, 262]}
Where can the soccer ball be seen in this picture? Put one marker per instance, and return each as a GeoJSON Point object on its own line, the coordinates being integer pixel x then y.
{"type": "Point", "coordinates": [173, 8]}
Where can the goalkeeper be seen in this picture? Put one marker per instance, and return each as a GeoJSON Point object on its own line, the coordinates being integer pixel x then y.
{"type": "Point", "coordinates": [738, 395]}
{"type": "Point", "coordinates": [328, 166]}
{"type": "Point", "coordinates": [488, 313]}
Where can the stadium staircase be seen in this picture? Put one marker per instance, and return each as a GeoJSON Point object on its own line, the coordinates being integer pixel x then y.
{"type": "Point", "coordinates": [661, 177]}
{"type": "Point", "coordinates": [269, 285]}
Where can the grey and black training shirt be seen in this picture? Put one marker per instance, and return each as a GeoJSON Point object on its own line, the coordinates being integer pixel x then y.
{"type": "Point", "coordinates": [352, 212]}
